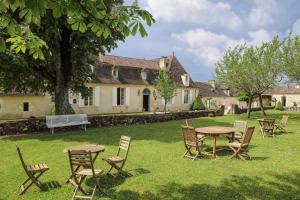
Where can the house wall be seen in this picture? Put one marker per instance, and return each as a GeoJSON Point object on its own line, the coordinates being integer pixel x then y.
{"type": "Point", "coordinates": [290, 99]}
{"type": "Point", "coordinates": [226, 101]}
{"type": "Point", "coordinates": [12, 106]}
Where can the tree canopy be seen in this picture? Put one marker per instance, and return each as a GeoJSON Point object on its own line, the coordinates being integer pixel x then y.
{"type": "Point", "coordinates": [251, 70]}
{"type": "Point", "coordinates": [49, 45]}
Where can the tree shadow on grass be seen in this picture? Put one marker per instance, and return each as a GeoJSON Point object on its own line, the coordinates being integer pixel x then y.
{"type": "Point", "coordinates": [286, 187]}
{"type": "Point", "coordinates": [167, 132]}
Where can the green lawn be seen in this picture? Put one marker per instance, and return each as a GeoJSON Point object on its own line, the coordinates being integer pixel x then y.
{"type": "Point", "coordinates": [156, 166]}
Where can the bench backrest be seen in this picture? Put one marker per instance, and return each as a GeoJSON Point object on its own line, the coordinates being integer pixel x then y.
{"type": "Point", "coordinates": [65, 119]}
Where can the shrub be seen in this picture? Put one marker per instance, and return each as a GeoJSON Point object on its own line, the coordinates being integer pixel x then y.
{"type": "Point", "coordinates": [278, 106]}
{"type": "Point", "coordinates": [295, 104]}
{"type": "Point", "coordinates": [198, 104]}
{"type": "Point", "coordinates": [266, 102]}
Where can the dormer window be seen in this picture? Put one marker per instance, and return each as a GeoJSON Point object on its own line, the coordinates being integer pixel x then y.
{"type": "Point", "coordinates": [144, 75]}
{"type": "Point", "coordinates": [115, 73]}
{"type": "Point", "coordinates": [185, 80]}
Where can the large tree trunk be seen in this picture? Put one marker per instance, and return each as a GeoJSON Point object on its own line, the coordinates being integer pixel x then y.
{"type": "Point", "coordinates": [249, 107]}
{"type": "Point", "coordinates": [63, 73]}
{"type": "Point", "coordinates": [261, 105]}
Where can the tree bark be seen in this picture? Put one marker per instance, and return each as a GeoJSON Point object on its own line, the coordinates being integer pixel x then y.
{"type": "Point", "coordinates": [165, 108]}
{"type": "Point", "coordinates": [249, 107]}
{"type": "Point", "coordinates": [261, 105]}
{"type": "Point", "coordinates": [63, 73]}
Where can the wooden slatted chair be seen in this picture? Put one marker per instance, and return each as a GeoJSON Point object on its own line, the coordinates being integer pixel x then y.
{"type": "Point", "coordinates": [84, 160]}
{"type": "Point", "coordinates": [189, 122]}
{"type": "Point", "coordinates": [267, 127]}
{"type": "Point", "coordinates": [191, 142]}
{"type": "Point", "coordinates": [34, 172]}
{"type": "Point", "coordinates": [282, 124]}
{"type": "Point", "coordinates": [241, 127]}
{"type": "Point", "coordinates": [117, 162]}
{"type": "Point", "coordinates": [240, 148]}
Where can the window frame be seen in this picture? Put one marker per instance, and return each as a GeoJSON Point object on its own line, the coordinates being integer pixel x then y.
{"type": "Point", "coordinates": [121, 96]}
{"type": "Point", "coordinates": [89, 100]}
{"type": "Point", "coordinates": [28, 106]}
{"type": "Point", "coordinates": [186, 97]}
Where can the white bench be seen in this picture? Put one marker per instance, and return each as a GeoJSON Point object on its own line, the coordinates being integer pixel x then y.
{"type": "Point", "coordinates": [56, 121]}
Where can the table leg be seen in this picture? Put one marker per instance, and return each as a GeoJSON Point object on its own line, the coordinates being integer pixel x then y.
{"type": "Point", "coordinates": [214, 145]}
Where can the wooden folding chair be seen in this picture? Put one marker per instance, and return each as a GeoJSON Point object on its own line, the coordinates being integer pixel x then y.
{"type": "Point", "coordinates": [85, 161]}
{"type": "Point", "coordinates": [267, 127]}
{"type": "Point", "coordinates": [241, 127]}
{"type": "Point", "coordinates": [189, 122]}
{"type": "Point", "coordinates": [192, 143]}
{"type": "Point", "coordinates": [34, 172]}
{"type": "Point", "coordinates": [240, 148]}
{"type": "Point", "coordinates": [282, 124]}
{"type": "Point", "coordinates": [117, 162]}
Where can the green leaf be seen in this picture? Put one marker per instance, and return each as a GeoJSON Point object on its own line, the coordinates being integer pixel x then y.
{"type": "Point", "coordinates": [23, 49]}
{"type": "Point", "coordinates": [82, 27]}
{"type": "Point", "coordinates": [142, 30]}
{"type": "Point", "coordinates": [57, 12]}
{"type": "Point", "coordinates": [36, 55]}
{"type": "Point", "coordinates": [134, 29]}
{"type": "Point", "coordinates": [75, 26]}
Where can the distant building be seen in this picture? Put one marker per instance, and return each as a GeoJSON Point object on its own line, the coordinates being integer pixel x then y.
{"type": "Point", "coordinates": [288, 96]}
{"type": "Point", "coordinates": [215, 95]}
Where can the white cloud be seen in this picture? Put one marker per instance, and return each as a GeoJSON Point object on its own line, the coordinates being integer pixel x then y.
{"type": "Point", "coordinates": [259, 17]}
{"type": "Point", "coordinates": [202, 12]}
{"type": "Point", "coordinates": [261, 13]}
{"type": "Point", "coordinates": [209, 47]}
{"type": "Point", "coordinates": [296, 27]}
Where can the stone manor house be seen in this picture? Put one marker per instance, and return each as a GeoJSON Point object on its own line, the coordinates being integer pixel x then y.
{"type": "Point", "coordinates": [122, 85]}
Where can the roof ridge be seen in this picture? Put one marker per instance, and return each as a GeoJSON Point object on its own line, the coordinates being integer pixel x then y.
{"type": "Point", "coordinates": [142, 59]}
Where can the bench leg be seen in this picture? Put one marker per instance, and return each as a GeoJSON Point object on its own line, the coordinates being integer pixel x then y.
{"type": "Point", "coordinates": [52, 130]}
{"type": "Point", "coordinates": [85, 127]}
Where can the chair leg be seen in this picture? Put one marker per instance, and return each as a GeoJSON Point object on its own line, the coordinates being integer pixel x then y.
{"type": "Point", "coordinates": [31, 180]}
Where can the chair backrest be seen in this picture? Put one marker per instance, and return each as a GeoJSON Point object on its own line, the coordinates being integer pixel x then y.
{"type": "Point", "coordinates": [80, 158]}
{"type": "Point", "coordinates": [241, 126]}
{"type": "Point", "coordinates": [268, 124]}
{"type": "Point", "coordinates": [284, 119]}
{"type": "Point", "coordinates": [189, 134]}
{"type": "Point", "coordinates": [21, 158]}
{"type": "Point", "coordinates": [124, 145]}
{"type": "Point", "coordinates": [189, 122]}
{"type": "Point", "coordinates": [248, 135]}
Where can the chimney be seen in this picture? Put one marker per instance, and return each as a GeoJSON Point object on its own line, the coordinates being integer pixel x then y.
{"type": "Point", "coordinates": [163, 63]}
{"type": "Point", "coordinates": [212, 83]}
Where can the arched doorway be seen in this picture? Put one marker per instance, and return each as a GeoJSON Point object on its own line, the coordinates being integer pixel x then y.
{"type": "Point", "coordinates": [146, 100]}
{"type": "Point", "coordinates": [283, 100]}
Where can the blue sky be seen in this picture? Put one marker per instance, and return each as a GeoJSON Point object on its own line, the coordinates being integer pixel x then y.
{"type": "Point", "coordinates": [199, 31]}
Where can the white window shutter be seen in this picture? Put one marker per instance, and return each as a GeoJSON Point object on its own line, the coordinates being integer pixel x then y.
{"type": "Point", "coordinates": [114, 96]}
{"type": "Point", "coordinates": [127, 93]}
{"type": "Point", "coordinates": [182, 96]}
{"type": "Point", "coordinates": [97, 96]}
{"type": "Point", "coordinates": [80, 101]}
{"type": "Point", "coordinates": [191, 96]}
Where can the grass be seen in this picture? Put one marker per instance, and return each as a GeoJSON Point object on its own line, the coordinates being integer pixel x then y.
{"type": "Point", "coordinates": [157, 168]}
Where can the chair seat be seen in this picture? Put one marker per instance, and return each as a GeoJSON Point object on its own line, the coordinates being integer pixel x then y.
{"type": "Point", "coordinates": [200, 136]}
{"type": "Point", "coordinates": [114, 159]}
{"type": "Point", "coordinates": [235, 144]}
{"type": "Point", "coordinates": [89, 172]}
{"type": "Point", "coordinates": [37, 167]}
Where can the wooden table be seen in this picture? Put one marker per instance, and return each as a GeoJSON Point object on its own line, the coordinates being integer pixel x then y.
{"type": "Point", "coordinates": [214, 132]}
{"type": "Point", "coordinates": [93, 148]}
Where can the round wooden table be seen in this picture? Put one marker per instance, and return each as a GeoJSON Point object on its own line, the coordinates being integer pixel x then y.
{"type": "Point", "coordinates": [214, 132]}
{"type": "Point", "coordinates": [93, 148]}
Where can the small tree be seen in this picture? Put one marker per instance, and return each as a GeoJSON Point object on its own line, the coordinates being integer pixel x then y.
{"type": "Point", "coordinates": [165, 87]}
{"type": "Point", "coordinates": [198, 104]}
{"type": "Point", "coordinates": [251, 70]}
{"type": "Point", "coordinates": [278, 106]}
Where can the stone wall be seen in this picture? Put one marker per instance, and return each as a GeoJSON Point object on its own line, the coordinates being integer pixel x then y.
{"type": "Point", "coordinates": [36, 125]}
